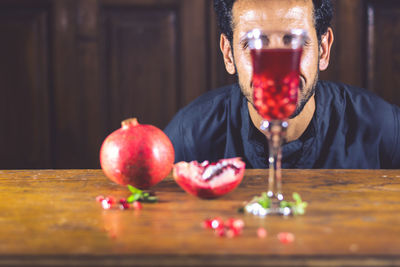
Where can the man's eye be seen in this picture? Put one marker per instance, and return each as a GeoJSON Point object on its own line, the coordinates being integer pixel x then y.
{"type": "Point", "coordinates": [287, 39]}
{"type": "Point", "coordinates": [245, 45]}
{"type": "Point", "coordinates": [265, 40]}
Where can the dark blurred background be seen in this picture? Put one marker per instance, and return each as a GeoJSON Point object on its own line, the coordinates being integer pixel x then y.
{"type": "Point", "coordinates": [71, 70]}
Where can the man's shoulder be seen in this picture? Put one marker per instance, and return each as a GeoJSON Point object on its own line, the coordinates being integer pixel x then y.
{"type": "Point", "coordinates": [350, 103]}
{"type": "Point", "coordinates": [213, 97]}
{"type": "Point", "coordinates": [341, 89]}
{"type": "Point", "coordinates": [367, 121]}
{"type": "Point", "coordinates": [211, 102]}
{"type": "Point", "coordinates": [344, 96]}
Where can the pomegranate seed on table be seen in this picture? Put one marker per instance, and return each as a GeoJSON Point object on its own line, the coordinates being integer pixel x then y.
{"type": "Point", "coordinates": [110, 200]}
{"type": "Point", "coordinates": [207, 224]}
{"type": "Point", "coordinates": [230, 228]}
{"type": "Point", "coordinates": [220, 232]}
{"type": "Point", "coordinates": [235, 223]}
{"type": "Point", "coordinates": [229, 222]}
{"type": "Point", "coordinates": [137, 205]}
{"type": "Point", "coordinates": [235, 231]}
{"type": "Point", "coordinates": [123, 204]}
{"type": "Point", "coordinates": [217, 223]}
{"type": "Point", "coordinates": [261, 232]}
{"type": "Point", "coordinates": [230, 233]}
{"type": "Point", "coordinates": [106, 204]}
{"type": "Point", "coordinates": [286, 237]}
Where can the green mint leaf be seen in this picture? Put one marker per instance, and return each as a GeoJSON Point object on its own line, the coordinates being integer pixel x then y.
{"type": "Point", "coordinates": [136, 196]}
{"type": "Point", "coordinates": [296, 197]}
{"type": "Point", "coordinates": [302, 207]}
{"type": "Point", "coordinates": [139, 195]}
{"type": "Point", "coordinates": [264, 195]}
{"type": "Point", "coordinates": [134, 190]}
{"type": "Point", "coordinates": [264, 200]}
{"type": "Point", "coordinates": [131, 188]}
{"type": "Point", "coordinates": [299, 209]}
{"type": "Point", "coordinates": [285, 204]}
{"type": "Point", "coordinates": [130, 199]}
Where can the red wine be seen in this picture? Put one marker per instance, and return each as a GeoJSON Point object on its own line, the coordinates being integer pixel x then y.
{"type": "Point", "coordinates": [276, 81]}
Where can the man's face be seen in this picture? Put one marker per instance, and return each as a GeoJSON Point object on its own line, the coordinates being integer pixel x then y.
{"type": "Point", "coordinates": [276, 15]}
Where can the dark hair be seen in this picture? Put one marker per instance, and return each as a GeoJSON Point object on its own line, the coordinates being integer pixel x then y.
{"type": "Point", "coordinates": [323, 12]}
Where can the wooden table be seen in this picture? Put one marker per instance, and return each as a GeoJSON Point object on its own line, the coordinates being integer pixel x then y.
{"type": "Point", "coordinates": [51, 218]}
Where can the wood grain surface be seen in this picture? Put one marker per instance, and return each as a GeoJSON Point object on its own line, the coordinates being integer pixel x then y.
{"type": "Point", "coordinates": [51, 218]}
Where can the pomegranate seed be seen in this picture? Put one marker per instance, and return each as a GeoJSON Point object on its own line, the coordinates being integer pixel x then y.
{"type": "Point", "coordinates": [207, 224]}
{"type": "Point", "coordinates": [110, 200]}
{"type": "Point", "coordinates": [261, 232]}
{"type": "Point", "coordinates": [106, 204]}
{"type": "Point", "coordinates": [99, 198]}
{"type": "Point", "coordinates": [123, 204]}
{"type": "Point", "coordinates": [137, 205]}
{"type": "Point", "coordinates": [238, 231]}
{"type": "Point", "coordinates": [286, 237]}
{"type": "Point", "coordinates": [220, 232]}
{"type": "Point", "coordinates": [229, 223]}
{"type": "Point", "coordinates": [238, 224]}
{"type": "Point", "coordinates": [217, 223]}
{"type": "Point", "coordinates": [230, 228]}
{"type": "Point", "coordinates": [231, 233]}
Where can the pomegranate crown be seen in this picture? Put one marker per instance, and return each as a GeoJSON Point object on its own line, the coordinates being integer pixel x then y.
{"type": "Point", "coordinates": [129, 122]}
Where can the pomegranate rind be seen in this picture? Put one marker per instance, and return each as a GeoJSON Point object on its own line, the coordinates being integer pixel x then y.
{"type": "Point", "coordinates": [140, 155]}
{"type": "Point", "coordinates": [188, 176]}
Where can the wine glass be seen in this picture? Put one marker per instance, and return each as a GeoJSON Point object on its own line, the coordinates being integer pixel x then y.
{"type": "Point", "coordinates": [275, 59]}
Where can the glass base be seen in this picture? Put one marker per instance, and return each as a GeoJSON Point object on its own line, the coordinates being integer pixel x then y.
{"type": "Point", "coordinates": [256, 209]}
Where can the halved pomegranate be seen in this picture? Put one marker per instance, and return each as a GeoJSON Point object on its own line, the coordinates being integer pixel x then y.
{"type": "Point", "coordinates": [209, 180]}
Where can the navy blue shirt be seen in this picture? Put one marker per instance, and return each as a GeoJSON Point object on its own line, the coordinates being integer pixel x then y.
{"type": "Point", "coordinates": [351, 129]}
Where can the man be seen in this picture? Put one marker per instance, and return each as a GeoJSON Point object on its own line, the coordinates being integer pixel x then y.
{"type": "Point", "coordinates": [334, 125]}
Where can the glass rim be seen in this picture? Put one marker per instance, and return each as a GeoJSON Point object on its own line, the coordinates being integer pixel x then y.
{"type": "Point", "coordinates": [255, 38]}
{"type": "Point", "coordinates": [256, 32]}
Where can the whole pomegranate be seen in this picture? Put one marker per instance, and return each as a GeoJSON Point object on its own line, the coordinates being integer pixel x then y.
{"type": "Point", "coordinates": [136, 154]}
{"type": "Point", "coordinates": [209, 180]}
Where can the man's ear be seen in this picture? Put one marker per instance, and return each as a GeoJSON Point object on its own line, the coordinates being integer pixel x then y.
{"type": "Point", "coordinates": [226, 50]}
{"type": "Point", "coordinates": [325, 49]}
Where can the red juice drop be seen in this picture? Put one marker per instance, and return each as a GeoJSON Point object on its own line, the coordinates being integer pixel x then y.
{"type": "Point", "coordinates": [276, 81]}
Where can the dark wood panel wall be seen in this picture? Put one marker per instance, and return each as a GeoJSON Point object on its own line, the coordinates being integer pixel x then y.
{"type": "Point", "coordinates": [367, 44]}
{"type": "Point", "coordinates": [71, 70]}
{"type": "Point", "coordinates": [383, 50]}
{"type": "Point", "coordinates": [25, 86]}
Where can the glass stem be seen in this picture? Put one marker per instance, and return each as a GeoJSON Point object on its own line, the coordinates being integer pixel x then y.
{"type": "Point", "coordinates": [276, 131]}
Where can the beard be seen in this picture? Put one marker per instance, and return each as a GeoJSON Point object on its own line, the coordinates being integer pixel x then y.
{"type": "Point", "coordinates": [304, 93]}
